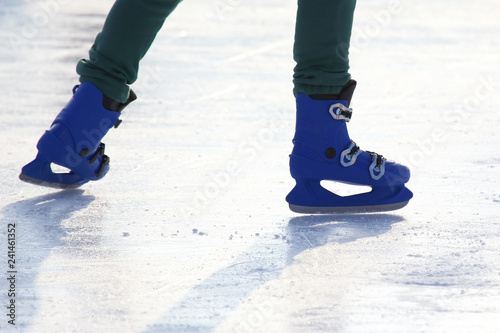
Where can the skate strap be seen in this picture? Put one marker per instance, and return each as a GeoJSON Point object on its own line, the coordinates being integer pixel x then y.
{"type": "Point", "coordinates": [377, 168]}
{"type": "Point", "coordinates": [340, 112]}
{"type": "Point", "coordinates": [348, 156]}
{"type": "Point", "coordinates": [98, 153]}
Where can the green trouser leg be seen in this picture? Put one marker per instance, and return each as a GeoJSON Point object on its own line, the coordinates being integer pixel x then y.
{"type": "Point", "coordinates": [128, 32]}
{"type": "Point", "coordinates": [322, 37]}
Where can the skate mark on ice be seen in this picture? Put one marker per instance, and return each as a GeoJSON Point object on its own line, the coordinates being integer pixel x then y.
{"type": "Point", "coordinates": [211, 302]}
{"type": "Point", "coordinates": [38, 231]}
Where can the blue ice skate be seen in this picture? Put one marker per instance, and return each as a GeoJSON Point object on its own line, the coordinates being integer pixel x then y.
{"type": "Point", "coordinates": [323, 151]}
{"type": "Point", "coordinates": [74, 140]}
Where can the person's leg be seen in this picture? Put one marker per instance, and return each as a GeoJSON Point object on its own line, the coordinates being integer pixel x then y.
{"type": "Point", "coordinates": [128, 32]}
{"type": "Point", "coordinates": [322, 148]}
{"type": "Point", "coordinates": [74, 138]}
{"type": "Point", "coordinates": [322, 37]}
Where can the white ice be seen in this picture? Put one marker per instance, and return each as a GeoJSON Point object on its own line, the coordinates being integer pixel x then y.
{"type": "Point", "coordinates": [190, 231]}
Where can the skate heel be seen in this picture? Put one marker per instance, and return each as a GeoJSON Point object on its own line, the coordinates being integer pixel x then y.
{"type": "Point", "coordinates": [39, 172]}
{"type": "Point", "coordinates": [308, 192]}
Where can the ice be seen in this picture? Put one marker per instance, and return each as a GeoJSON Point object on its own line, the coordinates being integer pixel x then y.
{"type": "Point", "coordinates": [190, 232]}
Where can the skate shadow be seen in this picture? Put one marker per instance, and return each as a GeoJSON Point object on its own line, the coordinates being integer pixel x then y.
{"type": "Point", "coordinates": [38, 231]}
{"type": "Point", "coordinates": [308, 232]}
{"type": "Point", "coordinates": [209, 303]}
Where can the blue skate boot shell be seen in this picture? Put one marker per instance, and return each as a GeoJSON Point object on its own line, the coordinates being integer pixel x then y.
{"type": "Point", "coordinates": [323, 150]}
{"type": "Point", "coordinates": [74, 140]}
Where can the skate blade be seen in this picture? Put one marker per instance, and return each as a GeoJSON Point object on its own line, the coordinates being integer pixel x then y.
{"type": "Point", "coordinates": [347, 209]}
{"type": "Point", "coordinates": [45, 183]}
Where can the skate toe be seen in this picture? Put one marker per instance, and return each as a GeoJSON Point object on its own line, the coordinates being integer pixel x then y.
{"type": "Point", "coordinates": [396, 173]}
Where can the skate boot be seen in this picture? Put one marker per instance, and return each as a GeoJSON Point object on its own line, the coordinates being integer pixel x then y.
{"type": "Point", "coordinates": [74, 140]}
{"type": "Point", "coordinates": [323, 151]}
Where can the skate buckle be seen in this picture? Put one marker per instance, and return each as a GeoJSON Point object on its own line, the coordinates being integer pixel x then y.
{"type": "Point", "coordinates": [348, 156]}
{"type": "Point", "coordinates": [377, 168]}
{"type": "Point", "coordinates": [340, 112]}
{"type": "Point", "coordinates": [98, 152]}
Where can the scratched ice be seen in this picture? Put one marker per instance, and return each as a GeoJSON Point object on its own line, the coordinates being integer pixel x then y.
{"type": "Point", "coordinates": [206, 147]}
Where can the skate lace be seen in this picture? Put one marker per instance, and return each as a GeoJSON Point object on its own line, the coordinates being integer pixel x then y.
{"type": "Point", "coordinates": [340, 112]}
{"type": "Point", "coordinates": [377, 167]}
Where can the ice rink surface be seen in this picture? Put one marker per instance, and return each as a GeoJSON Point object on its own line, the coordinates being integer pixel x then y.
{"type": "Point", "coordinates": [190, 231]}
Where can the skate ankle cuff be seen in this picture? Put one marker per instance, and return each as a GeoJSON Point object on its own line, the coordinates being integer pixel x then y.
{"type": "Point", "coordinates": [114, 105]}
{"type": "Point", "coordinates": [325, 97]}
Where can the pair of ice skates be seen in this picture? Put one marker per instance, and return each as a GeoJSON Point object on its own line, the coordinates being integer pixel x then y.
{"type": "Point", "coordinates": [322, 151]}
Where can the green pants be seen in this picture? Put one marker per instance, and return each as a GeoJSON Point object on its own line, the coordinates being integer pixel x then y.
{"type": "Point", "coordinates": [322, 35]}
